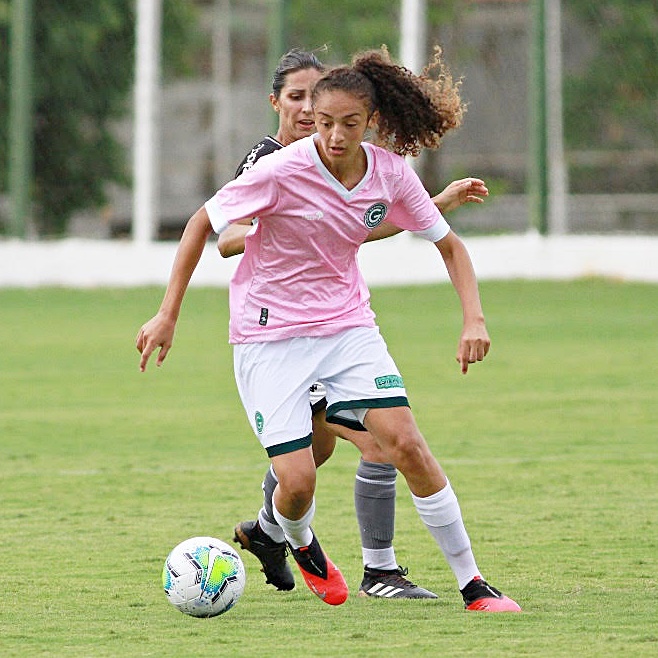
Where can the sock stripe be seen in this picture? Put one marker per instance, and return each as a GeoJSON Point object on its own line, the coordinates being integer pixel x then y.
{"type": "Point", "coordinates": [387, 483]}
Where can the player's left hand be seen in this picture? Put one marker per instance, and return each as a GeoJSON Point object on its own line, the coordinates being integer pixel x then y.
{"type": "Point", "coordinates": [459, 192]}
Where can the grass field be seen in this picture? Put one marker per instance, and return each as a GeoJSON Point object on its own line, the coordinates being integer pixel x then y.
{"type": "Point", "coordinates": [551, 445]}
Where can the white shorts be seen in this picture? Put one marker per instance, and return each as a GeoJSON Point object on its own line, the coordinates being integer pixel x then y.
{"type": "Point", "coordinates": [274, 379]}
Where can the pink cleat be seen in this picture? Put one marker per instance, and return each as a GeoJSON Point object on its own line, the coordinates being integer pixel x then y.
{"type": "Point", "coordinates": [321, 575]}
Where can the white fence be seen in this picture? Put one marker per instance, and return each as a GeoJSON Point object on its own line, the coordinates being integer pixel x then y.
{"type": "Point", "coordinates": [397, 261]}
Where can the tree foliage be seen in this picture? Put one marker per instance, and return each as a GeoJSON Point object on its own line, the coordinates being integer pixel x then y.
{"type": "Point", "coordinates": [355, 26]}
{"type": "Point", "coordinates": [83, 76]}
{"type": "Point", "coordinates": [84, 72]}
{"type": "Point", "coordinates": [613, 99]}
{"type": "Point", "coordinates": [347, 27]}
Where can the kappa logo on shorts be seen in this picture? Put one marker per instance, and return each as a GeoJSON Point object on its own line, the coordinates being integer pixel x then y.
{"type": "Point", "coordinates": [260, 422]}
{"type": "Point", "coordinates": [389, 381]}
{"type": "Point", "coordinates": [375, 215]}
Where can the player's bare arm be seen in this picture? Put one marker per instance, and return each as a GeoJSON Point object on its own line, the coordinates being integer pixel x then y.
{"type": "Point", "coordinates": [158, 332]}
{"type": "Point", "coordinates": [474, 342]}
{"type": "Point", "coordinates": [231, 240]}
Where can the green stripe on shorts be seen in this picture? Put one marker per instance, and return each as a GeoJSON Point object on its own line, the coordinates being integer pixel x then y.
{"type": "Point", "coordinates": [289, 446]}
{"type": "Point", "coordinates": [372, 403]}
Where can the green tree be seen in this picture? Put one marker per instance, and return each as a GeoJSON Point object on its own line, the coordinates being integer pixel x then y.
{"type": "Point", "coordinates": [83, 77]}
{"type": "Point", "coordinates": [347, 27]}
{"type": "Point", "coordinates": [613, 100]}
{"type": "Point", "coordinates": [610, 102]}
{"type": "Point", "coordinates": [344, 26]}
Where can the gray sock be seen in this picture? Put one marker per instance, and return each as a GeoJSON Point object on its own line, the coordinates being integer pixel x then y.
{"type": "Point", "coordinates": [269, 485]}
{"type": "Point", "coordinates": [266, 519]}
{"type": "Point", "coordinates": [374, 500]}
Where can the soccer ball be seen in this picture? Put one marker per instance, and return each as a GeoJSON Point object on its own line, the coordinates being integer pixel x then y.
{"type": "Point", "coordinates": [203, 577]}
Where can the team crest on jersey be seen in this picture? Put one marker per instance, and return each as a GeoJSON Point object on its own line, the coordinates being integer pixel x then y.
{"type": "Point", "coordinates": [374, 216]}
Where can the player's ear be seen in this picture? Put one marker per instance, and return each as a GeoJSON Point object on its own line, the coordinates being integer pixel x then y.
{"type": "Point", "coordinates": [373, 120]}
{"type": "Point", "coordinates": [274, 102]}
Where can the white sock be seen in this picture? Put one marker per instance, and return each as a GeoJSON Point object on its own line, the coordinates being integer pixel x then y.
{"type": "Point", "coordinates": [272, 530]}
{"type": "Point", "coordinates": [379, 558]}
{"type": "Point", "coordinates": [441, 514]}
{"type": "Point", "coordinates": [298, 532]}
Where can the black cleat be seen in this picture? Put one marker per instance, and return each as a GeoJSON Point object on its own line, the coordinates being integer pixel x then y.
{"type": "Point", "coordinates": [271, 554]}
{"type": "Point", "coordinates": [391, 584]}
{"type": "Point", "coordinates": [479, 595]}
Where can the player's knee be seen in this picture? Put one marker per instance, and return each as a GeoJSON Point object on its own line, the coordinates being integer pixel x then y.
{"type": "Point", "coordinates": [408, 450]}
{"type": "Point", "coordinates": [321, 455]}
{"type": "Point", "coordinates": [298, 489]}
{"type": "Point", "coordinates": [372, 452]}
{"type": "Point", "coordinates": [324, 441]}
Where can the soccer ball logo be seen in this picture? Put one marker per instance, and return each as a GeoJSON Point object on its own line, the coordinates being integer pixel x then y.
{"type": "Point", "coordinates": [203, 577]}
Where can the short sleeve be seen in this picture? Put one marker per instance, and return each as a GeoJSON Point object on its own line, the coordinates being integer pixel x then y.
{"type": "Point", "coordinates": [415, 211]}
{"type": "Point", "coordinates": [253, 194]}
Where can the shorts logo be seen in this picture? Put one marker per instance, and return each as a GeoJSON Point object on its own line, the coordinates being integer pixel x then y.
{"type": "Point", "coordinates": [263, 317]}
{"type": "Point", "coordinates": [375, 215]}
{"type": "Point", "coordinates": [260, 422]}
{"type": "Point", "coordinates": [389, 381]}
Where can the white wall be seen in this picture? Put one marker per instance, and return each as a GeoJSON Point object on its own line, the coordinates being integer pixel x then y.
{"type": "Point", "coordinates": [400, 260]}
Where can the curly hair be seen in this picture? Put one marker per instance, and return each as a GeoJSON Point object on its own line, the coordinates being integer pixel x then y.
{"type": "Point", "coordinates": [414, 111]}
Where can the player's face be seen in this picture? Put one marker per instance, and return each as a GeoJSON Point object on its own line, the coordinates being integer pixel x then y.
{"type": "Point", "coordinates": [341, 120]}
{"type": "Point", "coordinates": [294, 106]}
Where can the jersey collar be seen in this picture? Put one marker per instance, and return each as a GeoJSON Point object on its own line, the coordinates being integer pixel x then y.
{"type": "Point", "coordinates": [331, 180]}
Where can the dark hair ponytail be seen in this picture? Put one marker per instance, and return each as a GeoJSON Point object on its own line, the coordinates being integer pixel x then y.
{"type": "Point", "coordinates": [293, 60]}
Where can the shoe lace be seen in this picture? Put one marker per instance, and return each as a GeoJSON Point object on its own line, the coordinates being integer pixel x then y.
{"type": "Point", "coordinates": [478, 589]}
{"type": "Point", "coordinates": [397, 577]}
{"type": "Point", "coordinates": [311, 559]}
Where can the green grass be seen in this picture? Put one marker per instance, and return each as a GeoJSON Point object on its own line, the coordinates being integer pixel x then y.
{"type": "Point", "coordinates": [551, 445]}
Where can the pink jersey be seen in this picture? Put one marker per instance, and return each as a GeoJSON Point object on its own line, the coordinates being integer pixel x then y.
{"type": "Point", "coordinates": [299, 275]}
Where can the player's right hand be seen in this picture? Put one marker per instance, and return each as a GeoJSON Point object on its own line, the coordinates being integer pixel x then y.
{"type": "Point", "coordinates": [158, 332]}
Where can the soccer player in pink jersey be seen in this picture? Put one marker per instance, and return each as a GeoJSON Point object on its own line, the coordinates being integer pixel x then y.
{"type": "Point", "coordinates": [374, 486]}
{"type": "Point", "coordinates": [300, 309]}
